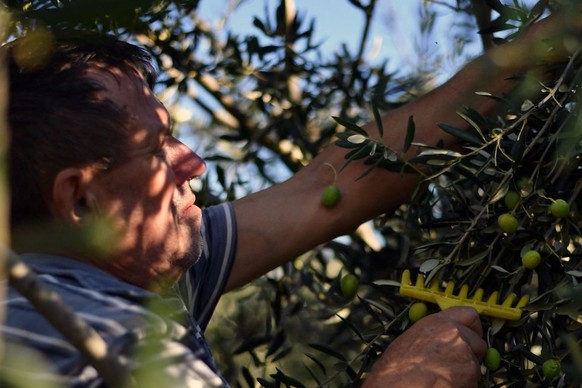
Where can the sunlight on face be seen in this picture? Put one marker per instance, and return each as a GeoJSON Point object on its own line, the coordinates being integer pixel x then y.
{"type": "Point", "coordinates": [147, 198]}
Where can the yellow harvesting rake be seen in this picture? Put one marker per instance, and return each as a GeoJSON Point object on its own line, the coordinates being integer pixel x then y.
{"type": "Point", "coordinates": [446, 298]}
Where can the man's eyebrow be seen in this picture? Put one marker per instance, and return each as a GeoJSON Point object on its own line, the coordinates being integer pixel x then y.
{"type": "Point", "coordinates": [157, 137]}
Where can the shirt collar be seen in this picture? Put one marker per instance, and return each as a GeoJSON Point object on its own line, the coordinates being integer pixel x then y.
{"type": "Point", "coordinates": [84, 274]}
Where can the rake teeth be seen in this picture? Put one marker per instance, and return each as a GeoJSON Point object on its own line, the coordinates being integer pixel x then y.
{"type": "Point", "coordinates": [523, 301]}
{"type": "Point", "coordinates": [509, 300]}
{"type": "Point", "coordinates": [464, 292]}
{"type": "Point", "coordinates": [478, 295]}
{"type": "Point", "coordinates": [420, 281]}
{"type": "Point", "coordinates": [493, 298]}
{"type": "Point", "coordinates": [406, 277]}
{"type": "Point", "coordinates": [445, 299]}
{"type": "Point", "coordinates": [449, 289]}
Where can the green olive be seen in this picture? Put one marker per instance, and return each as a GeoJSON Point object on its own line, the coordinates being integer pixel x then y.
{"type": "Point", "coordinates": [560, 208]}
{"type": "Point", "coordinates": [531, 259]}
{"type": "Point", "coordinates": [417, 311]}
{"type": "Point", "coordinates": [511, 199]}
{"type": "Point", "coordinates": [330, 196]}
{"type": "Point", "coordinates": [492, 359]}
{"type": "Point", "coordinates": [349, 285]}
{"type": "Point", "coordinates": [551, 368]}
{"type": "Point", "coordinates": [507, 223]}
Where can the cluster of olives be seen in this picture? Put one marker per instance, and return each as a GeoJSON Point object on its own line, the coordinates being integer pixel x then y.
{"type": "Point", "coordinates": [508, 222]}
{"type": "Point", "coordinates": [550, 368]}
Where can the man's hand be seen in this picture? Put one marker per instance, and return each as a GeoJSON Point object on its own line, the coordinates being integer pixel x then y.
{"type": "Point", "coordinates": [440, 350]}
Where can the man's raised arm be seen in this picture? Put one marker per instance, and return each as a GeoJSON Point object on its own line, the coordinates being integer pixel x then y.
{"type": "Point", "coordinates": [286, 220]}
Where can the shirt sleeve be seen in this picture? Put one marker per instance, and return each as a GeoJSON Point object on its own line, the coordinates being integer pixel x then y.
{"type": "Point", "coordinates": [204, 283]}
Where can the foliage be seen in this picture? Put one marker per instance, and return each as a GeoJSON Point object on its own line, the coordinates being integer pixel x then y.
{"type": "Point", "coordinates": [534, 151]}
{"type": "Point", "coordinates": [266, 102]}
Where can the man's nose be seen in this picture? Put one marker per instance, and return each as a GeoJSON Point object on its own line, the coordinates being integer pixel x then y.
{"type": "Point", "coordinates": [185, 163]}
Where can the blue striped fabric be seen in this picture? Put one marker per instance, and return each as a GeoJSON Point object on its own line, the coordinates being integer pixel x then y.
{"type": "Point", "coordinates": [157, 336]}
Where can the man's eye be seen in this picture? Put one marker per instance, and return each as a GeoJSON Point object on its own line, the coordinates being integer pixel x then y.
{"type": "Point", "coordinates": [160, 153]}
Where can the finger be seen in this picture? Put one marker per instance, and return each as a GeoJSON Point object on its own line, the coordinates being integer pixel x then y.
{"type": "Point", "coordinates": [466, 316]}
{"type": "Point", "coordinates": [475, 341]}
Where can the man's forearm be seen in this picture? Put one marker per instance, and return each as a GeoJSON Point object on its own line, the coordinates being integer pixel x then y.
{"type": "Point", "coordinates": [496, 72]}
{"type": "Point", "coordinates": [297, 220]}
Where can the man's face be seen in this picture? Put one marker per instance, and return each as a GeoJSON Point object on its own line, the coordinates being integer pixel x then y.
{"type": "Point", "coordinates": [147, 197]}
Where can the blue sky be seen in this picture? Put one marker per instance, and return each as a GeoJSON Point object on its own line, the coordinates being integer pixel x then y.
{"type": "Point", "coordinates": [394, 30]}
{"type": "Point", "coordinates": [335, 19]}
{"type": "Point", "coordinates": [394, 35]}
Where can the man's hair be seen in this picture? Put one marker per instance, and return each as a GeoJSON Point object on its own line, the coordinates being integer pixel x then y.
{"type": "Point", "coordinates": [57, 118]}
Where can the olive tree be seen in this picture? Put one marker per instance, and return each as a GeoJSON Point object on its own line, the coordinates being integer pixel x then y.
{"type": "Point", "coordinates": [260, 105]}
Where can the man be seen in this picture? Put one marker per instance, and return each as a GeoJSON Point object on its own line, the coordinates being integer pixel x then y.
{"type": "Point", "coordinates": [89, 139]}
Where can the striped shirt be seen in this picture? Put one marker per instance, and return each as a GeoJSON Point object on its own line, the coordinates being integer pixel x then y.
{"type": "Point", "coordinates": [159, 338]}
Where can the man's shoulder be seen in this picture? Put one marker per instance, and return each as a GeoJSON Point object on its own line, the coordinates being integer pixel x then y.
{"type": "Point", "coordinates": [111, 306]}
{"type": "Point", "coordinates": [129, 319]}
{"type": "Point", "coordinates": [79, 283]}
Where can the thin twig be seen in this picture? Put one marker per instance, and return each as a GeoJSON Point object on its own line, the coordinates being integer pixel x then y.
{"type": "Point", "coordinates": [4, 228]}
{"type": "Point", "coordinates": [369, 13]}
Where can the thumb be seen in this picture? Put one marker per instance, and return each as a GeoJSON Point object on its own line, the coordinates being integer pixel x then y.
{"type": "Point", "coordinates": [466, 316]}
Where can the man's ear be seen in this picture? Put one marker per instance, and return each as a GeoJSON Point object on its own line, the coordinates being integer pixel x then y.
{"type": "Point", "coordinates": [71, 194]}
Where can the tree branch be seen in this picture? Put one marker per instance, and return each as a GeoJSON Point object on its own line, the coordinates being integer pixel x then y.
{"type": "Point", "coordinates": [369, 13]}
{"type": "Point", "coordinates": [75, 329]}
